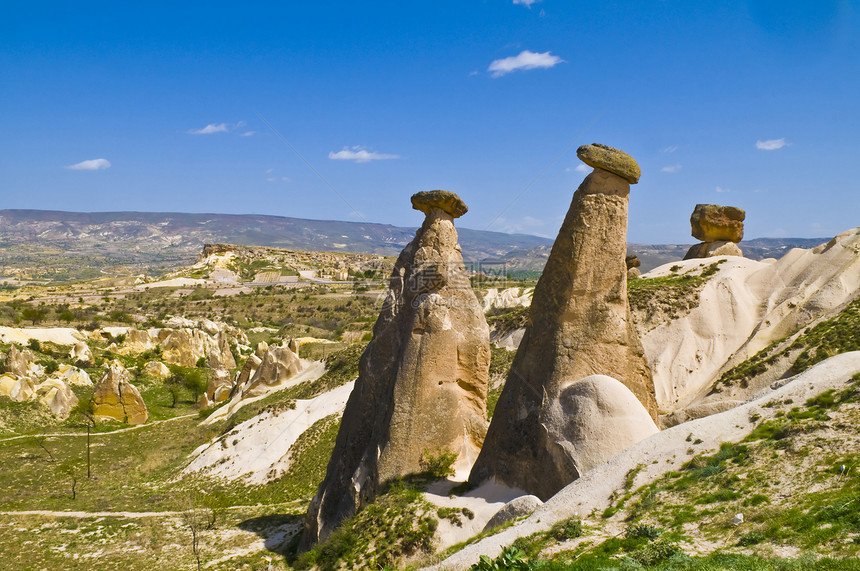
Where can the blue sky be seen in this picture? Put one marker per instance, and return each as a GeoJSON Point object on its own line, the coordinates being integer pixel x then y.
{"type": "Point", "coordinates": [168, 107]}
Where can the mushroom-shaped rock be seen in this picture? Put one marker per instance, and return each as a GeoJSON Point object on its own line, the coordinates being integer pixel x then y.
{"type": "Point", "coordinates": [713, 223]}
{"type": "Point", "coordinates": [422, 380]}
{"type": "Point", "coordinates": [580, 324]}
{"type": "Point", "coordinates": [116, 398]}
{"type": "Point", "coordinates": [610, 159]}
{"type": "Point", "coordinates": [427, 200]}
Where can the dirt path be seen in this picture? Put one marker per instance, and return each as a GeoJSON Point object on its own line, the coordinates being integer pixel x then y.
{"type": "Point", "coordinates": [138, 427]}
{"type": "Point", "coordinates": [128, 515]}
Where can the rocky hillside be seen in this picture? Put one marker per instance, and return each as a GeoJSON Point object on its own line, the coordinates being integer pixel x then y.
{"type": "Point", "coordinates": [62, 246]}
{"type": "Point", "coordinates": [65, 246]}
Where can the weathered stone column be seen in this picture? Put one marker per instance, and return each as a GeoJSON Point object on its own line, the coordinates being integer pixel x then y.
{"type": "Point", "coordinates": [580, 325]}
{"type": "Point", "coordinates": [422, 385]}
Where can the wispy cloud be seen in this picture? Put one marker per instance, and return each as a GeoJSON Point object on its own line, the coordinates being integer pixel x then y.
{"type": "Point", "coordinates": [525, 60]}
{"type": "Point", "coordinates": [671, 168]}
{"type": "Point", "coordinates": [770, 144]}
{"type": "Point", "coordinates": [582, 168]}
{"type": "Point", "coordinates": [721, 189]}
{"type": "Point", "coordinates": [91, 165]}
{"type": "Point", "coordinates": [248, 133]}
{"type": "Point", "coordinates": [209, 129]}
{"type": "Point", "coordinates": [359, 155]}
{"type": "Point", "coordinates": [670, 149]}
{"type": "Point", "coordinates": [526, 3]}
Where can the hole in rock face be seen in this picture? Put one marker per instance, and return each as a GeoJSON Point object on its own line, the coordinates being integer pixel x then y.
{"type": "Point", "coordinates": [440, 383]}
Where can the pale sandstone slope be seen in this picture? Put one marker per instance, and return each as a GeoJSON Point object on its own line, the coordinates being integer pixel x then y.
{"type": "Point", "coordinates": [593, 492]}
{"type": "Point", "coordinates": [745, 307]}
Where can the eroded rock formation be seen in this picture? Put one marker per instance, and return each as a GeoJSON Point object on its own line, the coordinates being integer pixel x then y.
{"type": "Point", "coordinates": [422, 385]}
{"type": "Point", "coordinates": [116, 398]}
{"type": "Point", "coordinates": [719, 228]}
{"type": "Point", "coordinates": [580, 325]}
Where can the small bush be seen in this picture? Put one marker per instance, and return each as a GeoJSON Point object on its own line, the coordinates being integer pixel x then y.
{"type": "Point", "coordinates": [510, 559]}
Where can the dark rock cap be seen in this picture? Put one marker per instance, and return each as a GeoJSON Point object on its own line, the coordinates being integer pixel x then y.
{"type": "Point", "coordinates": [448, 201]}
{"type": "Point", "coordinates": [610, 159]}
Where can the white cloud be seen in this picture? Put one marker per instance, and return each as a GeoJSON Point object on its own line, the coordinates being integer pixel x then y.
{"type": "Point", "coordinates": [269, 171]}
{"type": "Point", "coordinates": [670, 149]}
{"type": "Point", "coordinates": [526, 3]}
{"type": "Point", "coordinates": [582, 168]}
{"type": "Point", "coordinates": [671, 168]}
{"type": "Point", "coordinates": [210, 129]}
{"type": "Point", "coordinates": [770, 144]}
{"type": "Point", "coordinates": [91, 165]}
{"type": "Point", "coordinates": [721, 189]}
{"type": "Point", "coordinates": [525, 60]}
{"type": "Point", "coordinates": [359, 155]}
{"type": "Point", "coordinates": [248, 133]}
{"type": "Point", "coordinates": [285, 179]}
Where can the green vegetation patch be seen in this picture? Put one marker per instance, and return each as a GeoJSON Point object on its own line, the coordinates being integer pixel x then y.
{"type": "Point", "coordinates": [839, 334]}
{"type": "Point", "coordinates": [399, 523]}
{"type": "Point", "coordinates": [674, 295]}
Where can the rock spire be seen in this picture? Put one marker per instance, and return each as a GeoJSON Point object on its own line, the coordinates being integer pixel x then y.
{"type": "Point", "coordinates": [579, 325]}
{"type": "Point", "coordinates": [422, 384]}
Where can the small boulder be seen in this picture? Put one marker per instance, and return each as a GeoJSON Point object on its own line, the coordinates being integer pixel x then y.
{"type": "Point", "coordinates": [219, 386]}
{"type": "Point", "coordinates": [116, 398]}
{"type": "Point", "coordinates": [713, 223]}
{"type": "Point", "coordinates": [610, 159]}
{"type": "Point", "coordinates": [516, 508]}
{"type": "Point", "coordinates": [74, 376]}
{"type": "Point", "coordinates": [633, 273]}
{"type": "Point", "coordinates": [157, 369]}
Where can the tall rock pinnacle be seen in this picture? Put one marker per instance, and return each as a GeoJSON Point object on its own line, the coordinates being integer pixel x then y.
{"type": "Point", "coordinates": [580, 325]}
{"type": "Point", "coordinates": [422, 384]}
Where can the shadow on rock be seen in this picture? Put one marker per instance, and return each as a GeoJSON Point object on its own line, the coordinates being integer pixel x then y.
{"type": "Point", "coordinates": [278, 531]}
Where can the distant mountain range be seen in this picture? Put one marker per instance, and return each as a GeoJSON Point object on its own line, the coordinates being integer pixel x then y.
{"type": "Point", "coordinates": [56, 245]}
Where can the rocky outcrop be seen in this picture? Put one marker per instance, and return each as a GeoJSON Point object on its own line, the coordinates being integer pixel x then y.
{"type": "Point", "coordinates": [580, 325]}
{"type": "Point", "coordinates": [595, 418]}
{"type": "Point", "coordinates": [267, 369]}
{"type": "Point", "coordinates": [73, 376]}
{"type": "Point", "coordinates": [719, 228]}
{"type": "Point", "coordinates": [709, 249]}
{"type": "Point", "coordinates": [82, 354]}
{"type": "Point", "coordinates": [116, 398]}
{"type": "Point", "coordinates": [220, 386]}
{"type": "Point", "coordinates": [19, 362]}
{"type": "Point", "coordinates": [57, 396]}
{"type": "Point", "coordinates": [422, 384]}
{"type": "Point", "coordinates": [514, 509]}
{"type": "Point", "coordinates": [184, 347]}
{"type": "Point", "coordinates": [19, 389]}
{"type": "Point", "coordinates": [157, 369]}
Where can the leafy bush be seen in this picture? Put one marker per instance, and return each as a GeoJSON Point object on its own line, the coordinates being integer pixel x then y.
{"type": "Point", "coordinates": [510, 559]}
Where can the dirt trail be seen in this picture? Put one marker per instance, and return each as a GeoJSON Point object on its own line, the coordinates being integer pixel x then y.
{"type": "Point", "coordinates": [138, 427]}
